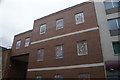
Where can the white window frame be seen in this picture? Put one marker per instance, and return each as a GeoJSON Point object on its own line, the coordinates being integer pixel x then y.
{"type": "Point", "coordinates": [38, 77]}
{"type": "Point", "coordinates": [59, 55]}
{"type": "Point", "coordinates": [78, 16]}
{"type": "Point", "coordinates": [40, 54]}
{"type": "Point", "coordinates": [43, 26]}
{"type": "Point", "coordinates": [58, 77]}
{"type": "Point", "coordinates": [18, 44]}
{"type": "Point", "coordinates": [27, 42]}
{"type": "Point", "coordinates": [59, 22]}
{"type": "Point", "coordinates": [79, 48]}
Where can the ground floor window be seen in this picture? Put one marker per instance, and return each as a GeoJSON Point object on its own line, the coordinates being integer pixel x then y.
{"type": "Point", "coordinates": [38, 77]}
{"type": "Point", "coordinates": [84, 76]}
{"type": "Point", "coordinates": [58, 77]}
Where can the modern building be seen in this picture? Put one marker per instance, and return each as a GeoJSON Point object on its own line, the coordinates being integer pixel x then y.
{"type": "Point", "coordinates": [108, 18]}
{"type": "Point", "coordinates": [77, 42]}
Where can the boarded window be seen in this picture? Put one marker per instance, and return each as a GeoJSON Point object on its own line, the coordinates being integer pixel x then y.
{"type": "Point", "coordinates": [59, 51]}
{"type": "Point", "coordinates": [40, 55]}
{"type": "Point", "coordinates": [79, 18]}
{"type": "Point", "coordinates": [82, 48]}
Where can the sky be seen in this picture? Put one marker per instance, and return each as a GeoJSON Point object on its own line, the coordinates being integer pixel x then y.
{"type": "Point", "coordinates": [17, 16]}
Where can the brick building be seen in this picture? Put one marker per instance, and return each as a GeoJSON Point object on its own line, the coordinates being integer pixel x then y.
{"type": "Point", "coordinates": [71, 43]}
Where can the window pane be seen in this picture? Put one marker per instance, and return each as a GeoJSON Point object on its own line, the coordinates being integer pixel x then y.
{"type": "Point", "coordinates": [59, 51]}
{"type": "Point", "coordinates": [40, 55]}
{"type": "Point", "coordinates": [84, 76]}
{"type": "Point", "coordinates": [116, 3]}
{"type": "Point", "coordinates": [38, 77]}
{"type": "Point", "coordinates": [82, 48]}
{"type": "Point", "coordinates": [18, 44]}
{"type": "Point", "coordinates": [118, 22]}
{"type": "Point", "coordinates": [58, 77]}
{"type": "Point", "coordinates": [108, 5]}
{"type": "Point", "coordinates": [116, 47]}
{"type": "Point", "coordinates": [113, 24]}
{"type": "Point", "coordinates": [59, 24]}
{"type": "Point", "coordinates": [27, 41]}
{"type": "Point", "coordinates": [42, 29]}
{"type": "Point", "coordinates": [79, 18]}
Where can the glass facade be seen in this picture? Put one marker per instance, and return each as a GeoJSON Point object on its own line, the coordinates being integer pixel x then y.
{"type": "Point", "coordinates": [111, 4]}
{"type": "Point", "coordinates": [116, 47]}
{"type": "Point", "coordinates": [114, 24]}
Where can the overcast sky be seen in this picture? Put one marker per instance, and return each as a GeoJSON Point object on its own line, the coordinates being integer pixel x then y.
{"type": "Point", "coordinates": [17, 16]}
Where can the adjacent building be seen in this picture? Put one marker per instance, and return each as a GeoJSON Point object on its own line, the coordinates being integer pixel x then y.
{"type": "Point", "coordinates": [77, 42]}
{"type": "Point", "coordinates": [108, 18]}
{"type": "Point", "coordinates": [2, 49]}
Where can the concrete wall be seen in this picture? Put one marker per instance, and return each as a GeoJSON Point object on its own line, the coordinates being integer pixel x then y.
{"type": "Point", "coordinates": [0, 63]}
{"type": "Point", "coordinates": [106, 39]}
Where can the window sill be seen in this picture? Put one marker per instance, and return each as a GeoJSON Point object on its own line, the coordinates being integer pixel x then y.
{"type": "Point", "coordinates": [59, 58]}
{"type": "Point", "coordinates": [82, 54]}
{"type": "Point", "coordinates": [40, 60]}
{"type": "Point", "coordinates": [59, 28]}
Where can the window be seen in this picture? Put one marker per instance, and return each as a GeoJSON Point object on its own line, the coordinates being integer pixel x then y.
{"type": "Point", "coordinates": [79, 18]}
{"type": "Point", "coordinates": [18, 44]}
{"type": "Point", "coordinates": [59, 24]}
{"type": "Point", "coordinates": [38, 77]}
{"type": "Point", "coordinates": [82, 48]}
{"type": "Point", "coordinates": [84, 76]}
{"type": "Point", "coordinates": [40, 55]}
{"type": "Point", "coordinates": [111, 4]}
{"type": "Point", "coordinates": [116, 47]}
{"type": "Point", "coordinates": [43, 29]}
{"type": "Point", "coordinates": [58, 77]}
{"type": "Point", "coordinates": [59, 51]}
{"type": "Point", "coordinates": [27, 42]}
{"type": "Point", "coordinates": [114, 24]}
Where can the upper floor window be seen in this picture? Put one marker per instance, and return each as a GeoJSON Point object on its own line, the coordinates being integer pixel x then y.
{"type": "Point", "coordinates": [59, 51]}
{"type": "Point", "coordinates": [114, 24]}
{"type": "Point", "coordinates": [116, 47]}
{"type": "Point", "coordinates": [84, 76]}
{"type": "Point", "coordinates": [38, 77]}
{"type": "Point", "coordinates": [43, 29]}
{"type": "Point", "coordinates": [58, 77]}
{"type": "Point", "coordinates": [27, 42]}
{"type": "Point", "coordinates": [82, 48]}
{"type": "Point", "coordinates": [79, 18]}
{"type": "Point", "coordinates": [18, 44]}
{"type": "Point", "coordinates": [111, 4]}
{"type": "Point", "coordinates": [59, 24]}
{"type": "Point", "coordinates": [40, 55]}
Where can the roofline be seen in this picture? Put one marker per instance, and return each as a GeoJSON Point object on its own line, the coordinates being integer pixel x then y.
{"type": "Point", "coordinates": [81, 4]}
{"type": "Point", "coordinates": [24, 32]}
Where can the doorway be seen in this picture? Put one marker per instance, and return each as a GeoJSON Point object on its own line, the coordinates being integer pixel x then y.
{"type": "Point", "coordinates": [18, 66]}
